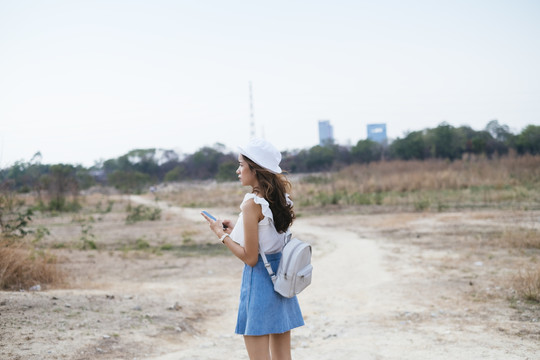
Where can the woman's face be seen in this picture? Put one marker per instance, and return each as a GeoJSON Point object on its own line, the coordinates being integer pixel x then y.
{"type": "Point", "coordinates": [245, 174]}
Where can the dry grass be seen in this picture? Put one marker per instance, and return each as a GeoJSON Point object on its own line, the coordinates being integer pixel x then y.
{"type": "Point", "coordinates": [21, 267]}
{"type": "Point", "coordinates": [508, 182]}
{"type": "Point", "coordinates": [527, 284]}
{"type": "Point", "coordinates": [440, 174]}
{"type": "Point", "coordinates": [423, 185]}
{"type": "Point", "coordinates": [204, 194]}
{"type": "Point", "coordinates": [519, 237]}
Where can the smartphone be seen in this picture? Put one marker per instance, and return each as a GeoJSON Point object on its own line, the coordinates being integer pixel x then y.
{"type": "Point", "coordinates": [209, 215]}
{"type": "Point", "coordinates": [212, 217]}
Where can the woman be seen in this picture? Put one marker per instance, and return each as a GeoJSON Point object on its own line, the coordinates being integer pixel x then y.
{"type": "Point", "coordinates": [265, 318]}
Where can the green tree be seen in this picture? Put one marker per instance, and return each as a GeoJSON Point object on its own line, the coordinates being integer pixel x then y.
{"type": "Point", "coordinates": [204, 163]}
{"type": "Point", "coordinates": [498, 132]}
{"type": "Point", "coordinates": [227, 171]}
{"type": "Point", "coordinates": [412, 146]}
{"type": "Point", "coordinates": [528, 142]}
{"type": "Point", "coordinates": [366, 151]}
{"type": "Point", "coordinates": [60, 182]}
{"type": "Point", "coordinates": [444, 142]}
{"type": "Point", "coordinates": [320, 158]}
{"type": "Point", "coordinates": [129, 181]}
{"type": "Point", "coordinates": [176, 174]}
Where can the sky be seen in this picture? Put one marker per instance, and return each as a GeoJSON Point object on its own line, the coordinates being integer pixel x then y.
{"type": "Point", "coordinates": [86, 81]}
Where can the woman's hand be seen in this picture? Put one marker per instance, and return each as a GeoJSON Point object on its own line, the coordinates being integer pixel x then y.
{"type": "Point", "coordinates": [218, 226]}
{"type": "Point", "coordinates": [228, 225]}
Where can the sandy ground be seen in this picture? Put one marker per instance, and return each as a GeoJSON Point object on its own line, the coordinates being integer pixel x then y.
{"type": "Point", "coordinates": [390, 286]}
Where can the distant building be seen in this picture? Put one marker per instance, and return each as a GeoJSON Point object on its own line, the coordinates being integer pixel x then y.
{"type": "Point", "coordinates": [326, 133]}
{"type": "Point", "coordinates": [377, 133]}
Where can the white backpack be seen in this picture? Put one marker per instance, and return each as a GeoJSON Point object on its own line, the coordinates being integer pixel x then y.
{"type": "Point", "coordinates": [294, 271]}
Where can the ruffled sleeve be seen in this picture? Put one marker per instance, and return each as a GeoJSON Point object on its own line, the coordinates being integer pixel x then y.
{"type": "Point", "coordinates": [262, 202]}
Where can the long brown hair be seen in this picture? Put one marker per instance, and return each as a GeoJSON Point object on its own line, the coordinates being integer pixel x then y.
{"type": "Point", "coordinates": [273, 187]}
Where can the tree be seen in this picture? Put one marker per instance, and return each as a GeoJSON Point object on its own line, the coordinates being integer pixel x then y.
{"type": "Point", "coordinates": [411, 147]}
{"type": "Point", "coordinates": [499, 132]}
{"type": "Point", "coordinates": [366, 151]}
{"type": "Point", "coordinates": [60, 182]}
{"type": "Point", "coordinates": [227, 171]}
{"type": "Point", "coordinates": [175, 174]}
{"type": "Point", "coordinates": [129, 181]}
{"type": "Point", "coordinates": [528, 142]}
{"type": "Point", "coordinates": [320, 158]}
{"type": "Point", "coordinates": [13, 218]}
{"type": "Point", "coordinates": [444, 142]}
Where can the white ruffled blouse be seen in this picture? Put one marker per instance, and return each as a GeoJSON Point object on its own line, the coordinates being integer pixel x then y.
{"type": "Point", "coordinates": [270, 241]}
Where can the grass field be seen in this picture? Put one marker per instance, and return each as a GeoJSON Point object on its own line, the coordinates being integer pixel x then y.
{"type": "Point", "coordinates": [473, 227]}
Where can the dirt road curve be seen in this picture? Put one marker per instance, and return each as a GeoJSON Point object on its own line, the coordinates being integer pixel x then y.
{"type": "Point", "coordinates": [364, 303]}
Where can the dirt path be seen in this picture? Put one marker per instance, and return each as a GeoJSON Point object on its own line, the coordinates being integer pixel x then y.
{"type": "Point", "coordinates": [362, 306]}
{"type": "Point", "coordinates": [388, 286]}
{"type": "Point", "coordinates": [347, 270]}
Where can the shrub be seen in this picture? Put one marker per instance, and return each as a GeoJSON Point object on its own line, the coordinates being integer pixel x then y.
{"type": "Point", "coordinates": [13, 218]}
{"type": "Point", "coordinates": [528, 285]}
{"type": "Point", "coordinates": [141, 213]}
{"type": "Point", "coordinates": [21, 267]}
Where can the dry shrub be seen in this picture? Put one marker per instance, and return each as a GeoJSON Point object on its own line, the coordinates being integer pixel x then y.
{"type": "Point", "coordinates": [430, 184]}
{"type": "Point", "coordinates": [519, 237]}
{"type": "Point", "coordinates": [527, 285]}
{"type": "Point", "coordinates": [203, 194]}
{"type": "Point", "coordinates": [22, 267]}
{"type": "Point", "coordinates": [440, 174]}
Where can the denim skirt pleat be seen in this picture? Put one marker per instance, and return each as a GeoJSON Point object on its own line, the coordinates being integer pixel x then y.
{"type": "Point", "coordinates": [263, 311]}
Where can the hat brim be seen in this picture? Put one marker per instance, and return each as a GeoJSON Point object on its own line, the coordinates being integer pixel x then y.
{"type": "Point", "coordinates": [275, 170]}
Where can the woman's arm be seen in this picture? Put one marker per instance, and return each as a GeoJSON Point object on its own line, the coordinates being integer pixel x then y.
{"type": "Point", "coordinates": [252, 214]}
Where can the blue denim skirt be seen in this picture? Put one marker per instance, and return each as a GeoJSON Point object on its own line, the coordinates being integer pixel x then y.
{"type": "Point", "coordinates": [263, 311]}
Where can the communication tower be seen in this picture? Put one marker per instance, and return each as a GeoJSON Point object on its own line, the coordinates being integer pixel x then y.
{"type": "Point", "coordinates": [251, 117]}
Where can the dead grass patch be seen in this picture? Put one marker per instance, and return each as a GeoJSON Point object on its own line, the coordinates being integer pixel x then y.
{"type": "Point", "coordinates": [202, 194]}
{"type": "Point", "coordinates": [520, 237]}
{"type": "Point", "coordinates": [508, 182]}
{"type": "Point", "coordinates": [22, 267]}
{"type": "Point", "coordinates": [527, 284]}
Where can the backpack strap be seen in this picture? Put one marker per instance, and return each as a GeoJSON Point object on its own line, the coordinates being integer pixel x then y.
{"type": "Point", "coordinates": [267, 266]}
{"type": "Point", "coordinates": [288, 236]}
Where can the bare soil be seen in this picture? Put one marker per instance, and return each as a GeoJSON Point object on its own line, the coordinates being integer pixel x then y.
{"type": "Point", "coordinates": [385, 286]}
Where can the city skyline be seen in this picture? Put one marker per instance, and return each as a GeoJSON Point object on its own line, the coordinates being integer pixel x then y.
{"type": "Point", "coordinates": [83, 83]}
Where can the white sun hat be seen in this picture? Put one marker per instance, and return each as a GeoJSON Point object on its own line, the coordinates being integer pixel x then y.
{"type": "Point", "coordinates": [262, 153]}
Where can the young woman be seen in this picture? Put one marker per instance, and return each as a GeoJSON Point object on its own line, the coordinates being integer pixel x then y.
{"type": "Point", "coordinates": [265, 318]}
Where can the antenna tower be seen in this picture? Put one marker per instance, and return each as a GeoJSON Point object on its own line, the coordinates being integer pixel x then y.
{"type": "Point", "coordinates": [251, 117]}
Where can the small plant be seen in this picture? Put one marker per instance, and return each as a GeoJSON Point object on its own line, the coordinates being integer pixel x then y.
{"type": "Point", "coordinates": [13, 218]}
{"type": "Point", "coordinates": [14, 224]}
{"type": "Point", "coordinates": [62, 205]}
{"type": "Point", "coordinates": [142, 213]}
{"type": "Point", "coordinates": [141, 244]}
{"type": "Point", "coordinates": [360, 199]}
{"type": "Point", "coordinates": [108, 209]}
{"type": "Point", "coordinates": [166, 247]}
{"type": "Point", "coordinates": [528, 285]}
{"type": "Point", "coordinates": [87, 236]}
{"type": "Point", "coordinates": [421, 204]}
{"type": "Point", "coordinates": [20, 265]}
{"type": "Point", "coordinates": [40, 233]}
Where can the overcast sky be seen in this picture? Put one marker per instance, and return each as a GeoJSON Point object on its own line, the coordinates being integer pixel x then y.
{"type": "Point", "coordinates": [82, 81]}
